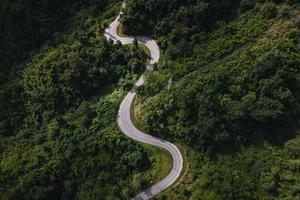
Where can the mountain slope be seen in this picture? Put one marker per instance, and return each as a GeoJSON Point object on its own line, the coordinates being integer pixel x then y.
{"type": "Point", "coordinates": [58, 134]}
{"type": "Point", "coordinates": [227, 89]}
{"type": "Point", "coordinates": [124, 115]}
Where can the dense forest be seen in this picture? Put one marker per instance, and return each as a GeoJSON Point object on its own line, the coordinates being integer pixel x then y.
{"type": "Point", "coordinates": [61, 86]}
{"type": "Point", "coordinates": [227, 88]}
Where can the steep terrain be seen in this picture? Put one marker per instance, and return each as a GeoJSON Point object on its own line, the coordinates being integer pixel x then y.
{"type": "Point", "coordinates": [124, 115]}
{"type": "Point", "coordinates": [227, 88]}
{"type": "Point", "coordinates": [61, 85]}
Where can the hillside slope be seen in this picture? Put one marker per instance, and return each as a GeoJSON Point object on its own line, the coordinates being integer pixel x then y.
{"type": "Point", "coordinates": [59, 96]}
{"type": "Point", "coordinates": [228, 89]}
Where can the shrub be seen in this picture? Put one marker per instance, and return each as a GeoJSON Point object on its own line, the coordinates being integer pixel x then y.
{"type": "Point", "coordinates": [269, 10]}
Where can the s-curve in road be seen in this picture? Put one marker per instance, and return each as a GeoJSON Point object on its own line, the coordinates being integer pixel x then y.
{"type": "Point", "coordinates": [124, 118]}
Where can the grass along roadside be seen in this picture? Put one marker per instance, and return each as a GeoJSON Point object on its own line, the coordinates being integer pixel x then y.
{"type": "Point", "coordinates": [163, 159]}
{"type": "Point", "coordinates": [120, 30]}
{"type": "Point", "coordinates": [183, 176]}
{"type": "Point", "coordinates": [147, 51]}
{"type": "Point", "coordinates": [165, 162]}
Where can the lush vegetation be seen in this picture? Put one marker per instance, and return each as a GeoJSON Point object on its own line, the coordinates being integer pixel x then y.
{"type": "Point", "coordinates": [61, 86]}
{"type": "Point", "coordinates": [228, 87]}
{"type": "Point", "coordinates": [257, 172]}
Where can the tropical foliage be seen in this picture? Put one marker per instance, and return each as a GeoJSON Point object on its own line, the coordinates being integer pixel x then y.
{"type": "Point", "coordinates": [59, 99]}
{"type": "Point", "coordinates": [234, 94]}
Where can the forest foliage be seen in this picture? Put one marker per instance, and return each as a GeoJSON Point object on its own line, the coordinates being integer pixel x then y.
{"type": "Point", "coordinates": [61, 86]}
{"type": "Point", "coordinates": [227, 88]}
{"type": "Point", "coordinates": [234, 94]}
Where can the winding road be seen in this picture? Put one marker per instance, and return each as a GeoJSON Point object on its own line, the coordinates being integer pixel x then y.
{"type": "Point", "coordinates": [124, 118]}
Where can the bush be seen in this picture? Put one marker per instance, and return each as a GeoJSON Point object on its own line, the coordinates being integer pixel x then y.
{"type": "Point", "coordinates": [269, 10]}
{"type": "Point", "coordinates": [285, 11]}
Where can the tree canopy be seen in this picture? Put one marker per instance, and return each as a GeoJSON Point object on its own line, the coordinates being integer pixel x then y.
{"type": "Point", "coordinates": [234, 98]}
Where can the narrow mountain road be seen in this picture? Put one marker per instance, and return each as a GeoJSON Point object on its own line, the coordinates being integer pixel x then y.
{"type": "Point", "coordinates": [124, 118]}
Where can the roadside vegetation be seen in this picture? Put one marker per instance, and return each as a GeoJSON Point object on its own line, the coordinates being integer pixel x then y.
{"type": "Point", "coordinates": [61, 86]}
{"type": "Point", "coordinates": [234, 94]}
{"type": "Point", "coordinates": [227, 88]}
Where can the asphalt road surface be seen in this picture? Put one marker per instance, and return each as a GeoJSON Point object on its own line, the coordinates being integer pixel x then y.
{"type": "Point", "coordinates": [124, 118]}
